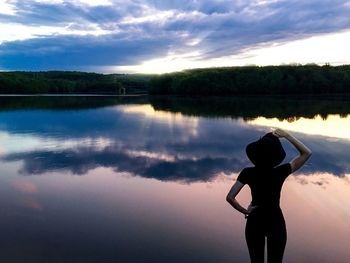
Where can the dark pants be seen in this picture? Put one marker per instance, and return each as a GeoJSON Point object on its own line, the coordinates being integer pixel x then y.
{"type": "Point", "coordinates": [269, 223]}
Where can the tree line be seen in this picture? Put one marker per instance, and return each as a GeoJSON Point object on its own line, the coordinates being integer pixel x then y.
{"type": "Point", "coordinates": [19, 82]}
{"type": "Point", "coordinates": [254, 80]}
{"type": "Point", "coordinates": [249, 80]}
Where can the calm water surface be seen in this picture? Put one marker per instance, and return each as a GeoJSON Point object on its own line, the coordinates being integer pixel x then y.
{"type": "Point", "coordinates": [111, 180]}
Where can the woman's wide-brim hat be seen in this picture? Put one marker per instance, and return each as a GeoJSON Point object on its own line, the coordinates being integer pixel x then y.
{"type": "Point", "coordinates": [267, 151]}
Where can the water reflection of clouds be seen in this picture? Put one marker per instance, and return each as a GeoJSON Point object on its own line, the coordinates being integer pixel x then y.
{"type": "Point", "coordinates": [171, 119]}
{"type": "Point", "coordinates": [30, 202]}
{"type": "Point", "coordinates": [26, 197]}
{"type": "Point", "coordinates": [24, 186]}
{"type": "Point", "coordinates": [27, 142]}
{"type": "Point", "coordinates": [334, 126]}
{"type": "Point", "coordinates": [125, 139]}
{"type": "Point", "coordinates": [317, 217]}
{"type": "Point", "coordinates": [81, 160]}
{"type": "Point", "coordinates": [100, 212]}
{"type": "Point", "coordinates": [148, 111]}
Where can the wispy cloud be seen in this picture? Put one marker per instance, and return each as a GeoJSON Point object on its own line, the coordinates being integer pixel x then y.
{"type": "Point", "coordinates": [112, 34]}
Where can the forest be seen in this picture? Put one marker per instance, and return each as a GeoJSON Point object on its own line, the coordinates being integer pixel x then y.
{"type": "Point", "coordinates": [227, 81]}
{"type": "Point", "coordinates": [254, 80]}
{"type": "Point", "coordinates": [70, 82]}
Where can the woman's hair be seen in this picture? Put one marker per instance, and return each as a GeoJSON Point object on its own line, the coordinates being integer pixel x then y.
{"type": "Point", "coordinates": [266, 152]}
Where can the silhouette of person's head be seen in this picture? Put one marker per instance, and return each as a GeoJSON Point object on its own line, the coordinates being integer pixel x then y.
{"type": "Point", "coordinates": [266, 152]}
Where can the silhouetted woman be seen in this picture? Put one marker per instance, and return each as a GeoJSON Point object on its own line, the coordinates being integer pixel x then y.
{"type": "Point", "coordinates": [265, 179]}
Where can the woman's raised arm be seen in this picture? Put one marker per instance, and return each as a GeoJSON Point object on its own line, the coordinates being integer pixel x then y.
{"type": "Point", "coordinates": [304, 152]}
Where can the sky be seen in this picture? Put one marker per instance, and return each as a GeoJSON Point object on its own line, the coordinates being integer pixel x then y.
{"type": "Point", "coordinates": [157, 36]}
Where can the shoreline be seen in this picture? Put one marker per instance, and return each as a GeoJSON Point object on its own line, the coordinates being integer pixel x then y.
{"type": "Point", "coordinates": [72, 95]}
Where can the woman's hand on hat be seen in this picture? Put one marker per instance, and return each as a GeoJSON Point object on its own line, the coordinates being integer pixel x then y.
{"type": "Point", "coordinates": [280, 133]}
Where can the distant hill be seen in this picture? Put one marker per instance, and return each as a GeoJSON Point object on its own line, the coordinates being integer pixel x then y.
{"type": "Point", "coordinates": [19, 82]}
{"type": "Point", "coordinates": [254, 80]}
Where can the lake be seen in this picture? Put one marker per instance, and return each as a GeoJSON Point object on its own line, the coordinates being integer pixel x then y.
{"type": "Point", "coordinates": [138, 179]}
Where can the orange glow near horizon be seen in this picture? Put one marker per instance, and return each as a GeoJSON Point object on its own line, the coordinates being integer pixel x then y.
{"type": "Point", "coordinates": [333, 126]}
{"type": "Point", "coordinates": [150, 112]}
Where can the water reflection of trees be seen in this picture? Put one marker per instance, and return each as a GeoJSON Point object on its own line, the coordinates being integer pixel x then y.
{"type": "Point", "coordinates": [283, 108]}
{"type": "Point", "coordinates": [248, 108]}
{"type": "Point", "coordinates": [65, 102]}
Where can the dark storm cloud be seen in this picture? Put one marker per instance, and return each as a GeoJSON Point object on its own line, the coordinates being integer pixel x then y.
{"type": "Point", "coordinates": [139, 30]}
{"type": "Point", "coordinates": [72, 52]}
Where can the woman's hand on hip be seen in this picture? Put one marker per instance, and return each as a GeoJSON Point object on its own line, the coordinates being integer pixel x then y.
{"type": "Point", "coordinates": [250, 209]}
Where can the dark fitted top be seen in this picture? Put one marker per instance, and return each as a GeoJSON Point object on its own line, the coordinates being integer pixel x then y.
{"type": "Point", "coordinates": [265, 183]}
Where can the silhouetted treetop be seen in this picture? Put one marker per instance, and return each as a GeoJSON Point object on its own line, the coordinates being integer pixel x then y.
{"type": "Point", "coordinates": [19, 82]}
{"type": "Point", "coordinates": [289, 79]}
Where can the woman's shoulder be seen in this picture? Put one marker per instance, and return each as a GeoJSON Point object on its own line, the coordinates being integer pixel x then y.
{"type": "Point", "coordinates": [250, 171]}
{"type": "Point", "coordinates": [245, 175]}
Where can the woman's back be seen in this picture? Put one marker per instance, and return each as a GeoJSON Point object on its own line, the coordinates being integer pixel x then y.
{"type": "Point", "coordinates": [265, 183]}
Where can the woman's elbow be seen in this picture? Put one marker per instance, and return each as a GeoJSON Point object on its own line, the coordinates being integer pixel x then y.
{"type": "Point", "coordinates": [306, 154]}
{"type": "Point", "coordinates": [229, 199]}
{"type": "Point", "coordinates": [309, 153]}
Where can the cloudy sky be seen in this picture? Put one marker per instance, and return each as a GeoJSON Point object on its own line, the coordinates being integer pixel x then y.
{"type": "Point", "coordinates": [155, 36]}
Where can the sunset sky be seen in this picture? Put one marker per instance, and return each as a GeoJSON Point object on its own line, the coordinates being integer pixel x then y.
{"type": "Point", "coordinates": [156, 36]}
